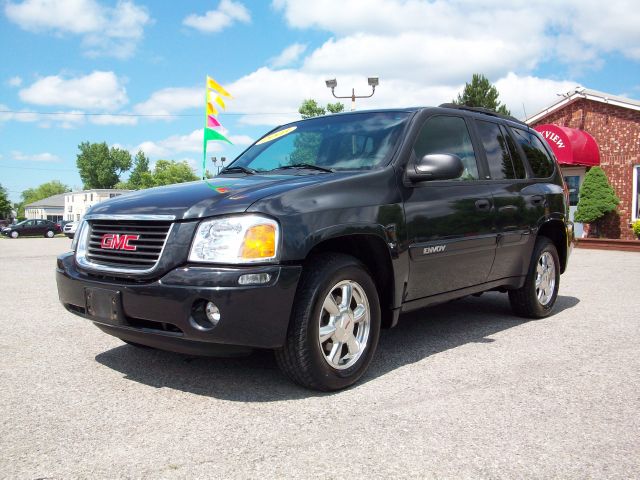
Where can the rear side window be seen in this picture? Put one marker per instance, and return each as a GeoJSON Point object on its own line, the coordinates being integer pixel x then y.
{"type": "Point", "coordinates": [447, 134]}
{"type": "Point", "coordinates": [539, 160]}
{"type": "Point", "coordinates": [516, 159]}
{"type": "Point", "coordinates": [495, 146]}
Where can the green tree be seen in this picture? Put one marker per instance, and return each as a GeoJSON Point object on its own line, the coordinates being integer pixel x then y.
{"type": "Point", "coordinates": [481, 93]}
{"type": "Point", "coordinates": [100, 166]}
{"type": "Point", "coordinates": [140, 176]}
{"type": "Point", "coordinates": [310, 108]}
{"type": "Point", "coordinates": [45, 190]}
{"type": "Point", "coordinates": [597, 198]}
{"type": "Point", "coordinates": [5, 204]}
{"type": "Point", "coordinates": [335, 107]}
{"type": "Point", "coordinates": [167, 172]}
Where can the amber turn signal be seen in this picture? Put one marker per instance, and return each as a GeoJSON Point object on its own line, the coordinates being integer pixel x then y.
{"type": "Point", "coordinates": [259, 242]}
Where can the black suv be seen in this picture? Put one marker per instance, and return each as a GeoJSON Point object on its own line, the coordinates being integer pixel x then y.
{"type": "Point", "coordinates": [324, 231]}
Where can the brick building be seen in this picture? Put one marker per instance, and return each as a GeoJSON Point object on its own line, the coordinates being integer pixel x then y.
{"type": "Point", "coordinates": [614, 123]}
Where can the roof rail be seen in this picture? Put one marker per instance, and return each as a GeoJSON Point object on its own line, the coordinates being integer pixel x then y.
{"type": "Point", "coordinates": [486, 111]}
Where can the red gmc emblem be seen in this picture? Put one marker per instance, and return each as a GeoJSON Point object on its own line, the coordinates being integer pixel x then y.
{"type": "Point", "coordinates": [114, 241]}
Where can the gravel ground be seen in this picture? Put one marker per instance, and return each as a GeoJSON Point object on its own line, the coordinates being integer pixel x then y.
{"type": "Point", "coordinates": [459, 390]}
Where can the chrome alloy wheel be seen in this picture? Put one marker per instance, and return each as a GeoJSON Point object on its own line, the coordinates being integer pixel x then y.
{"type": "Point", "coordinates": [545, 278]}
{"type": "Point", "coordinates": [344, 324]}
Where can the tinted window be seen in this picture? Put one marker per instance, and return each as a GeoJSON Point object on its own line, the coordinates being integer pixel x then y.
{"type": "Point", "coordinates": [516, 159]}
{"type": "Point", "coordinates": [539, 160]}
{"type": "Point", "coordinates": [495, 146]}
{"type": "Point", "coordinates": [358, 141]}
{"type": "Point", "coordinates": [444, 134]}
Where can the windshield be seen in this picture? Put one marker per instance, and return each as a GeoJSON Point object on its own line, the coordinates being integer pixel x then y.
{"type": "Point", "coordinates": [342, 142]}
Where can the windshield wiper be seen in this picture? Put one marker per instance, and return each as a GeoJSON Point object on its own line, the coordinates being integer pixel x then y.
{"type": "Point", "coordinates": [309, 166]}
{"type": "Point", "coordinates": [238, 169]}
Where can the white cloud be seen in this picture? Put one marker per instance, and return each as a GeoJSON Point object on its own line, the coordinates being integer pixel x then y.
{"type": "Point", "coordinates": [174, 145]}
{"type": "Point", "coordinates": [36, 157]}
{"type": "Point", "coordinates": [419, 56]}
{"type": "Point", "coordinates": [97, 90]}
{"type": "Point", "coordinates": [169, 101]}
{"type": "Point", "coordinates": [168, 147]}
{"type": "Point", "coordinates": [8, 114]}
{"type": "Point", "coordinates": [533, 92]}
{"type": "Point", "coordinates": [536, 26]}
{"type": "Point", "coordinates": [14, 81]}
{"type": "Point", "coordinates": [214, 21]}
{"type": "Point", "coordinates": [288, 55]}
{"type": "Point", "coordinates": [109, 31]}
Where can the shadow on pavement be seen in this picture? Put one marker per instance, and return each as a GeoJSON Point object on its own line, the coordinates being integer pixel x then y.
{"type": "Point", "coordinates": [256, 378]}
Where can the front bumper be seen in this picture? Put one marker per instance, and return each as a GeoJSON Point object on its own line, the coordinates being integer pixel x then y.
{"type": "Point", "coordinates": [160, 313]}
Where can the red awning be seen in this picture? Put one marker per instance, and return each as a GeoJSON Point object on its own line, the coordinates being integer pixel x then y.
{"type": "Point", "coordinates": [571, 146]}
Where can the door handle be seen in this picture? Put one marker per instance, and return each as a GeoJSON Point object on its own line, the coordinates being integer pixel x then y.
{"type": "Point", "coordinates": [483, 205]}
{"type": "Point", "coordinates": [537, 199]}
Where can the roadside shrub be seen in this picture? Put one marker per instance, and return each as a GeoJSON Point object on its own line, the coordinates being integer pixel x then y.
{"type": "Point", "coordinates": [597, 198]}
{"type": "Point", "coordinates": [636, 228]}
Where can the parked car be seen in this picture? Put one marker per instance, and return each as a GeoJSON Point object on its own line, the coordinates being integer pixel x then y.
{"type": "Point", "coordinates": [70, 229]}
{"type": "Point", "coordinates": [324, 231]}
{"type": "Point", "coordinates": [31, 228]}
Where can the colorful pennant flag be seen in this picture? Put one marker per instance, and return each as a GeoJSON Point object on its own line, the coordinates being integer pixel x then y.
{"type": "Point", "coordinates": [213, 85]}
{"type": "Point", "coordinates": [211, 110]}
{"type": "Point", "coordinates": [211, 122]}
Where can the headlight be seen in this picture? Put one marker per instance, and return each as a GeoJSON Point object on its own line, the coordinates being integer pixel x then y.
{"type": "Point", "coordinates": [76, 236]}
{"type": "Point", "coordinates": [240, 239]}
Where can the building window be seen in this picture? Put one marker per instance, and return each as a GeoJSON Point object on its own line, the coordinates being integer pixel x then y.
{"type": "Point", "coordinates": [573, 184]}
{"type": "Point", "coordinates": [636, 193]}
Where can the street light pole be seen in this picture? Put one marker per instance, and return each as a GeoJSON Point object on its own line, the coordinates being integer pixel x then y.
{"type": "Point", "coordinates": [333, 83]}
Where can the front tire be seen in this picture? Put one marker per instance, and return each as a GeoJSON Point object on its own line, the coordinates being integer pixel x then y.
{"type": "Point", "coordinates": [536, 298]}
{"type": "Point", "coordinates": [335, 324]}
{"type": "Point", "coordinates": [49, 234]}
{"type": "Point", "coordinates": [14, 234]}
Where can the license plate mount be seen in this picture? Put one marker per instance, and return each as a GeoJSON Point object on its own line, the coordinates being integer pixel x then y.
{"type": "Point", "coordinates": [104, 305]}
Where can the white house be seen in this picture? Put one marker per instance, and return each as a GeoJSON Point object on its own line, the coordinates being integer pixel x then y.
{"type": "Point", "coordinates": [50, 208]}
{"type": "Point", "coordinates": [76, 204]}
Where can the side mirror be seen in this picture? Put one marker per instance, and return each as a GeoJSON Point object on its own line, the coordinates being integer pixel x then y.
{"type": "Point", "coordinates": [435, 166]}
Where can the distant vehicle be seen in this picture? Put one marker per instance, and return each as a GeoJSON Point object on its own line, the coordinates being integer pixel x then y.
{"type": "Point", "coordinates": [70, 229]}
{"type": "Point", "coordinates": [31, 228]}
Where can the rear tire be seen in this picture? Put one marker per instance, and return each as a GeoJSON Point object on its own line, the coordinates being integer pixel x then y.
{"type": "Point", "coordinates": [49, 234]}
{"type": "Point", "coordinates": [335, 324]}
{"type": "Point", "coordinates": [536, 298]}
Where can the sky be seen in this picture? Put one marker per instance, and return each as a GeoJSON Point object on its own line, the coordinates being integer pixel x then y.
{"type": "Point", "coordinates": [132, 72]}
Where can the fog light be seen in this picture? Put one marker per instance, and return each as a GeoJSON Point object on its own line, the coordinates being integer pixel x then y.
{"type": "Point", "coordinates": [254, 279]}
{"type": "Point", "coordinates": [212, 312]}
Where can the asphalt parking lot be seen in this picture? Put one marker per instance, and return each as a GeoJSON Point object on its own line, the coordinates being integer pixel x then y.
{"type": "Point", "coordinates": [456, 391]}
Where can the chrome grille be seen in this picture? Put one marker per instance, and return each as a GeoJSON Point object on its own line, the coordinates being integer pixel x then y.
{"type": "Point", "coordinates": [152, 236]}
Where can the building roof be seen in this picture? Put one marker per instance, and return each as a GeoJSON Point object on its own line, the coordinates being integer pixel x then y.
{"type": "Point", "coordinates": [588, 94]}
{"type": "Point", "coordinates": [98, 190]}
{"type": "Point", "coordinates": [52, 201]}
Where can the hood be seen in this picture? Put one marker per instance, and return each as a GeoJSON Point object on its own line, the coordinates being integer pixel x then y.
{"type": "Point", "coordinates": [216, 196]}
